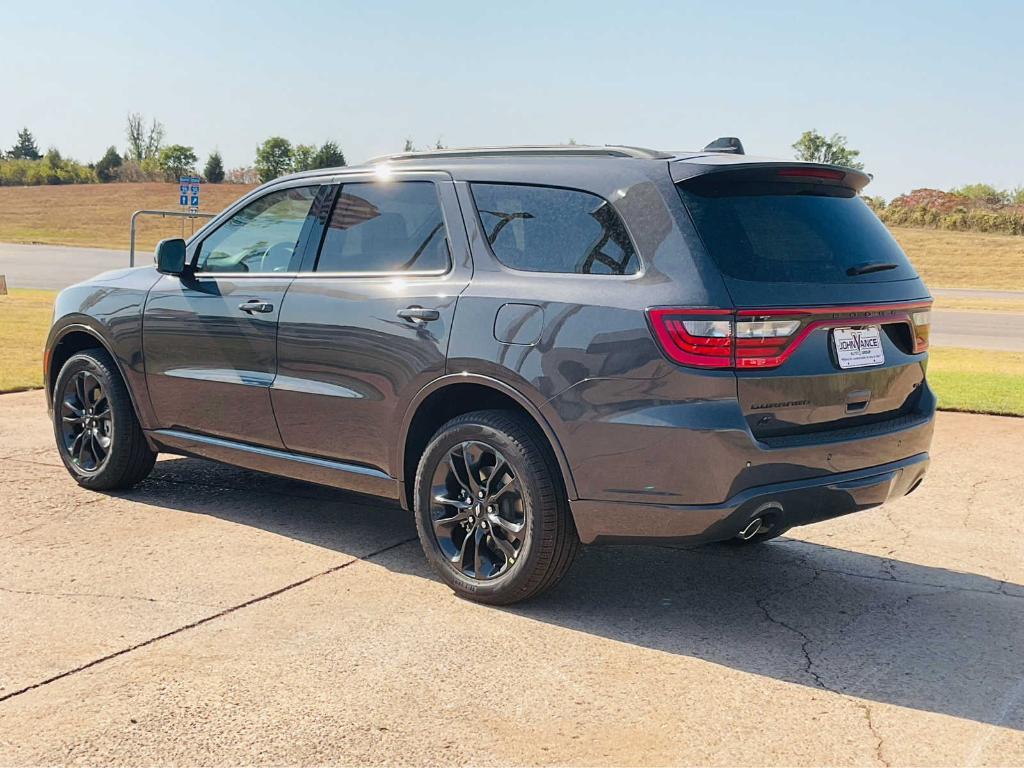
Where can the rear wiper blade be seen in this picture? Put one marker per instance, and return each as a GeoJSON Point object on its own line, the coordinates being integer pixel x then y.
{"type": "Point", "coordinates": [874, 266]}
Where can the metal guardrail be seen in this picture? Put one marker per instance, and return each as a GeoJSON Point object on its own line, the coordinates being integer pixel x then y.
{"type": "Point", "coordinates": [163, 215]}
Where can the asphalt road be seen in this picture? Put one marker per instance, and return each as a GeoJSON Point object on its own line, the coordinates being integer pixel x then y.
{"type": "Point", "coordinates": [214, 615]}
{"type": "Point", "coordinates": [55, 267]}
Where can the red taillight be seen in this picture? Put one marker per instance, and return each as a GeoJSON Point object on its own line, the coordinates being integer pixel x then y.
{"type": "Point", "coordinates": [813, 173]}
{"type": "Point", "coordinates": [696, 337]}
{"type": "Point", "coordinates": [765, 338]}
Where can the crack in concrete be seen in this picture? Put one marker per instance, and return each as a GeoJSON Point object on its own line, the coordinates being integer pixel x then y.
{"type": "Point", "coordinates": [866, 709]}
{"type": "Point", "coordinates": [204, 620]}
{"type": "Point", "coordinates": [101, 595]}
{"type": "Point", "coordinates": [804, 646]}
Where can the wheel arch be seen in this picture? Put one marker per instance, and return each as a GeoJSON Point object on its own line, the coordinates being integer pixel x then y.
{"type": "Point", "coordinates": [450, 396]}
{"type": "Point", "coordinates": [69, 340]}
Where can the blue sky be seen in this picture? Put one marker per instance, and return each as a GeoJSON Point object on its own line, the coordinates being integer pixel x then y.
{"type": "Point", "coordinates": [930, 92]}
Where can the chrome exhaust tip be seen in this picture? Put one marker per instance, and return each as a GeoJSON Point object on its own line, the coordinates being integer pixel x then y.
{"type": "Point", "coordinates": [750, 530]}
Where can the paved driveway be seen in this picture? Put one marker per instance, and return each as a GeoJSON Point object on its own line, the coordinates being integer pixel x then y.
{"type": "Point", "coordinates": [214, 615]}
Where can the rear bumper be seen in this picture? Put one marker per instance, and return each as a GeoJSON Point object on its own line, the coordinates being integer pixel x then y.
{"type": "Point", "coordinates": [788, 504]}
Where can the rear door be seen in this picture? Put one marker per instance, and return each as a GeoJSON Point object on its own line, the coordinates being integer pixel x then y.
{"type": "Point", "coordinates": [210, 336]}
{"type": "Point", "coordinates": [366, 326]}
{"type": "Point", "coordinates": [831, 319]}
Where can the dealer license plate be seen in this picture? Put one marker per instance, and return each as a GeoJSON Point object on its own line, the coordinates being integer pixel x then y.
{"type": "Point", "coordinates": [858, 347]}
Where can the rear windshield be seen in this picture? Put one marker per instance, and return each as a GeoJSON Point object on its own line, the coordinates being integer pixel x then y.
{"type": "Point", "coordinates": [792, 232]}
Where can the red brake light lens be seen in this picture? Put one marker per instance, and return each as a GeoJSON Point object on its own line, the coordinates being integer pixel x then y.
{"type": "Point", "coordinates": [813, 173]}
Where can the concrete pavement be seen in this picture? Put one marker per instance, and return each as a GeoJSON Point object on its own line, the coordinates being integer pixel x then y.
{"type": "Point", "coordinates": [56, 267]}
{"type": "Point", "coordinates": [214, 615]}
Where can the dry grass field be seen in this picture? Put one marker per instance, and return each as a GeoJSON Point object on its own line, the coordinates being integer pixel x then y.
{"type": "Point", "coordinates": [965, 259]}
{"type": "Point", "coordinates": [98, 214]}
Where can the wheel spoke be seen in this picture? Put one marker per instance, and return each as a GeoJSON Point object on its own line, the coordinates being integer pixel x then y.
{"type": "Point", "coordinates": [455, 472]}
{"type": "Point", "coordinates": [499, 466]}
{"type": "Point", "coordinates": [478, 559]}
{"type": "Point", "coordinates": [72, 407]}
{"type": "Point", "coordinates": [445, 524]}
{"type": "Point", "coordinates": [460, 556]}
{"type": "Point", "coordinates": [80, 390]}
{"type": "Point", "coordinates": [472, 455]}
{"type": "Point", "coordinates": [73, 419]}
{"type": "Point", "coordinates": [83, 446]}
{"type": "Point", "coordinates": [510, 485]}
{"type": "Point", "coordinates": [515, 529]}
{"type": "Point", "coordinates": [450, 502]}
{"type": "Point", "coordinates": [91, 388]}
{"type": "Point", "coordinates": [503, 546]}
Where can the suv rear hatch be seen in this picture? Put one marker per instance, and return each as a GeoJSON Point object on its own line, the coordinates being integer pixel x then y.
{"type": "Point", "coordinates": [831, 321]}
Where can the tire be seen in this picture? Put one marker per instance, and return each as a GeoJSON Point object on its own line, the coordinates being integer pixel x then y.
{"type": "Point", "coordinates": [474, 545]}
{"type": "Point", "coordinates": [112, 452]}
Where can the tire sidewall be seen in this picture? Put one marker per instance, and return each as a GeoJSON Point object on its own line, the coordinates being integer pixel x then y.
{"type": "Point", "coordinates": [517, 579]}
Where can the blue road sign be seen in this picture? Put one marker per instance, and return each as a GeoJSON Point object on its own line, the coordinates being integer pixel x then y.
{"type": "Point", "coordinates": [195, 201]}
{"type": "Point", "coordinates": [183, 200]}
{"type": "Point", "coordinates": [195, 189]}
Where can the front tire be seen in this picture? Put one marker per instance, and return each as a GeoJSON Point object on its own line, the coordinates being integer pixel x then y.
{"type": "Point", "coordinates": [491, 508]}
{"type": "Point", "coordinates": [98, 435]}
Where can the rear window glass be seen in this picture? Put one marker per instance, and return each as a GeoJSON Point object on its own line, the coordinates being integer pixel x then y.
{"type": "Point", "coordinates": [793, 233]}
{"type": "Point", "coordinates": [385, 227]}
{"type": "Point", "coordinates": [549, 229]}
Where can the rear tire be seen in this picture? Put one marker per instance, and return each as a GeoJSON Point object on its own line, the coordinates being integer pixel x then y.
{"type": "Point", "coordinates": [98, 434]}
{"type": "Point", "coordinates": [504, 532]}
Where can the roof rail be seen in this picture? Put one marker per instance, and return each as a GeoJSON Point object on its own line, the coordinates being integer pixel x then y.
{"type": "Point", "coordinates": [538, 149]}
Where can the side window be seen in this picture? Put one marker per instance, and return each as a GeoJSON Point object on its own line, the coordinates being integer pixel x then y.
{"type": "Point", "coordinates": [549, 229]}
{"type": "Point", "coordinates": [262, 237]}
{"type": "Point", "coordinates": [387, 226]}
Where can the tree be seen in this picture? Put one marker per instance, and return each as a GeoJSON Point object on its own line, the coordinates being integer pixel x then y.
{"type": "Point", "coordinates": [106, 168]}
{"type": "Point", "coordinates": [814, 147]}
{"type": "Point", "coordinates": [143, 143]}
{"type": "Point", "coordinates": [329, 156]}
{"type": "Point", "coordinates": [273, 158]}
{"type": "Point", "coordinates": [438, 144]}
{"type": "Point", "coordinates": [177, 160]}
{"type": "Point", "coordinates": [25, 148]}
{"type": "Point", "coordinates": [984, 193]}
{"type": "Point", "coordinates": [214, 170]}
{"type": "Point", "coordinates": [408, 146]}
{"type": "Point", "coordinates": [304, 157]}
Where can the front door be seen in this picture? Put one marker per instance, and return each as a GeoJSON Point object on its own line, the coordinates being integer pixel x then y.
{"type": "Point", "coordinates": [366, 326]}
{"type": "Point", "coordinates": [210, 336]}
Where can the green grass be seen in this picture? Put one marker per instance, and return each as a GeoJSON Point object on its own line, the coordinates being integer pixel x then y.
{"type": "Point", "coordinates": [24, 322]}
{"type": "Point", "coordinates": [964, 379]}
{"type": "Point", "coordinates": [977, 380]}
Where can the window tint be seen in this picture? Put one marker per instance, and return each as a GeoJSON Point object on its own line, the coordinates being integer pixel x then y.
{"type": "Point", "coordinates": [262, 237]}
{"type": "Point", "coordinates": [385, 227]}
{"type": "Point", "coordinates": [544, 229]}
{"type": "Point", "coordinates": [790, 232]}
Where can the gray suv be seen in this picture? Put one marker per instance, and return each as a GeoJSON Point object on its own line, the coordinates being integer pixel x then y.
{"type": "Point", "coordinates": [529, 348]}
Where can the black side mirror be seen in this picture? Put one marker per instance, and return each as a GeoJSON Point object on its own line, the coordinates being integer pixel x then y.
{"type": "Point", "coordinates": [170, 256]}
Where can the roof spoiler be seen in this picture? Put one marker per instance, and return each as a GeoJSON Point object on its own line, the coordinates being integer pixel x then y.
{"type": "Point", "coordinates": [729, 144]}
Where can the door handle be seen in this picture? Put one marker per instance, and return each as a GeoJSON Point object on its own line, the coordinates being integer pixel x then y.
{"type": "Point", "coordinates": [255, 305]}
{"type": "Point", "coordinates": [418, 315]}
